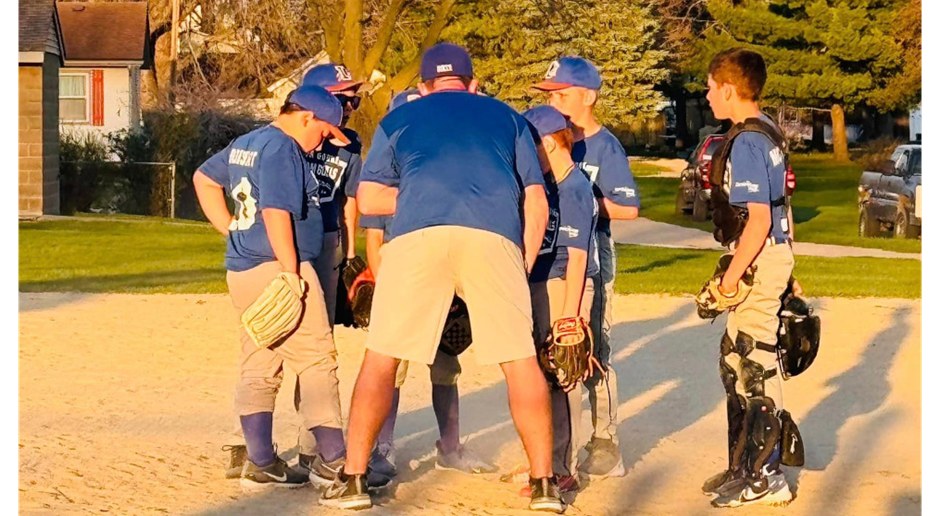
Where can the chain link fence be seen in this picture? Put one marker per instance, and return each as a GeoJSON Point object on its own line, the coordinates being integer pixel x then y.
{"type": "Point", "coordinates": [132, 188]}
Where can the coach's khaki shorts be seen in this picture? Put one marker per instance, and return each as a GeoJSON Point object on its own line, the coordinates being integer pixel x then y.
{"type": "Point", "coordinates": [757, 315]}
{"type": "Point", "coordinates": [444, 371]}
{"type": "Point", "coordinates": [420, 273]}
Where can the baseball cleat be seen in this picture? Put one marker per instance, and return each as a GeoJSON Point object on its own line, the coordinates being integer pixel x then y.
{"type": "Point", "coordinates": [382, 462]}
{"type": "Point", "coordinates": [276, 475]}
{"type": "Point", "coordinates": [566, 484]}
{"type": "Point", "coordinates": [463, 460]}
{"type": "Point", "coordinates": [720, 484]}
{"type": "Point", "coordinates": [323, 474]}
{"type": "Point", "coordinates": [545, 496]}
{"type": "Point", "coordinates": [347, 492]}
{"type": "Point", "coordinates": [236, 461]}
{"type": "Point", "coordinates": [603, 459]}
{"type": "Point", "coordinates": [775, 491]}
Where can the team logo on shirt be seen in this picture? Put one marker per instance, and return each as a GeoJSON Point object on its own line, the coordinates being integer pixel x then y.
{"type": "Point", "coordinates": [572, 232]}
{"type": "Point", "coordinates": [246, 207]}
{"type": "Point", "coordinates": [552, 70]}
{"type": "Point", "coordinates": [342, 74]}
{"type": "Point", "coordinates": [776, 156]}
{"type": "Point", "coordinates": [244, 158]}
{"type": "Point", "coordinates": [551, 231]}
{"type": "Point", "coordinates": [626, 191]}
{"type": "Point", "coordinates": [328, 171]}
{"type": "Point", "coordinates": [751, 187]}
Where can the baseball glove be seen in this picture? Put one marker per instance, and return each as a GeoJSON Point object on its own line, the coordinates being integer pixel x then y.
{"type": "Point", "coordinates": [277, 310]}
{"type": "Point", "coordinates": [457, 336]}
{"type": "Point", "coordinates": [568, 357]}
{"type": "Point", "coordinates": [711, 301]}
{"type": "Point", "coordinates": [360, 284]}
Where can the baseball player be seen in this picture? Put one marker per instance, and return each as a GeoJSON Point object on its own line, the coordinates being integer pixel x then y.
{"type": "Point", "coordinates": [574, 83]}
{"type": "Point", "coordinates": [558, 283]}
{"type": "Point", "coordinates": [337, 169]}
{"type": "Point", "coordinates": [754, 183]}
{"type": "Point", "coordinates": [461, 175]}
{"type": "Point", "coordinates": [445, 397]}
{"type": "Point", "coordinates": [277, 228]}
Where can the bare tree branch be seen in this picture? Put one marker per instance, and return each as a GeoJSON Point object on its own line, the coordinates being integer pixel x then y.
{"type": "Point", "coordinates": [407, 74]}
{"type": "Point", "coordinates": [386, 30]}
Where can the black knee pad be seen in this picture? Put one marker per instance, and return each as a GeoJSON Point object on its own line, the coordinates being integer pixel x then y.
{"type": "Point", "coordinates": [763, 435]}
{"type": "Point", "coordinates": [744, 344]}
{"type": "Point", "coordinates": [727, 345]}
{"type": "Point", "coordinates": [753, 376]}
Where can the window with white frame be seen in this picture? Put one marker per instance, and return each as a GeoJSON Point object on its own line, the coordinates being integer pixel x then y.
{"type": "Point", "coordinates": [73, 97]}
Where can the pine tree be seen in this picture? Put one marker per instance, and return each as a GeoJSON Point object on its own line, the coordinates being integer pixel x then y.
{"type": "Point", "coordinates": [820, 53]}
{"type": "Point", "coordinates": [513, 42]}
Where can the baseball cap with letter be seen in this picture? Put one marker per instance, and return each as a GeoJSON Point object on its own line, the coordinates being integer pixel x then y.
{"type": "Point", "coordinates": [323, 105]}
{"type": "Point", "coordinates": [445, 59]}
{"type": "Point", "coordinates": [570, 71]}
{"type": "Point", "coordinates": [332, 76]}
{"type": "Point", "coordinates": [546, 120]}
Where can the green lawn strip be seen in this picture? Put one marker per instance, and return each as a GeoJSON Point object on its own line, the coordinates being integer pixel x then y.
{"type": "Point", "coordinates": [152, 256]}
{"type": "Point", "coordinates": [656, 270]}
{"type": "Point", "coordinates": [642, 168]}
{"type": "Point", "coordinates": [825, 205]}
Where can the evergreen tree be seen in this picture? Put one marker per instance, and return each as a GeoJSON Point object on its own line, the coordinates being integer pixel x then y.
{"type": "Point", "coordinates": [820, 53]}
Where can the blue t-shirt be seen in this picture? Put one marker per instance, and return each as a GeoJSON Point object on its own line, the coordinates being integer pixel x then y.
{"type": "Point", "coordinates": [337, 170]}
{"type": "Point", "coordinates": [266, 169]}
{"type": "Point", "coordinates": [458, 159]}
{"type": "Point", "coordinates": [604, 160]}
{"type": "Point", "coordinates": [571, 222]}
{"type": "Point", "coordinates": [377, 222]}
{"type": "Point", "coordinates": [757, 173]}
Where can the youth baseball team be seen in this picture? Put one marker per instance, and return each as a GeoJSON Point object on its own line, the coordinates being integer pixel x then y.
{"type": "Point", "coordinates": [461, 195]}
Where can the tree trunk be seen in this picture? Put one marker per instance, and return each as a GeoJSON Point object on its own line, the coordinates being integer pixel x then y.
{"type": "Point", "coordinates": [819, 132]}
{"type": "Point", "coordinates": [682, 127]}
{"type": "Point", "coordinates": [840, 144]}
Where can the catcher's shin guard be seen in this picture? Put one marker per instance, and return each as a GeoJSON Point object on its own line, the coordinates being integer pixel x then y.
{"type": "Point", "coordinates": [762, 439]}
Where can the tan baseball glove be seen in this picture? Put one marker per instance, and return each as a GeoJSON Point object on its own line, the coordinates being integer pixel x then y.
{"type": "Point", "coordinates": [711, 301]}
{"type": "Point", "coordinates": [277, 310]}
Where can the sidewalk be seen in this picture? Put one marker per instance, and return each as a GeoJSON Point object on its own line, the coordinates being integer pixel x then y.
{"type": "Point", "coordinates": [643, 231]}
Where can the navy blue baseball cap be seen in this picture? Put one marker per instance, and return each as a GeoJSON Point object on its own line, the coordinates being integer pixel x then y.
{"type": "Point", "coordinates": [546, 120]}
{"type": "Point", "coordinates": [570, 71]}
{"type": "Point", "coordinates": [403, 98]}
{"type": "Point", "coordinates": [445, 59]}
{"type": "Point", "coordinates": [332, 76]}
{"type": "Point", "coordinates": [324, 106]}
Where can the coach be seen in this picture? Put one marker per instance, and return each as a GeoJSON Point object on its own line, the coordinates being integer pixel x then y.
{"type": "Point", "coordinates": [461, 174]}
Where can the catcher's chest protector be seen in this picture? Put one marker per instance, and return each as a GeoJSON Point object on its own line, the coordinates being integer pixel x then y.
{"type": "Point", "coordinates": [730, 220]}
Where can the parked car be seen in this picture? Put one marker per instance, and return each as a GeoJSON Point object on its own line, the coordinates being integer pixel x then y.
{"type": "Point", "coordinates": [694, 187]}
{"type": "Point", "coordinates": [890, 198]}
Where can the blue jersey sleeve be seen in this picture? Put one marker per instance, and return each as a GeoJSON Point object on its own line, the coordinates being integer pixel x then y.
{"type": "Point", "coordinates": [380, 166]}
{"type": "Point", "coordinates": [750, 178]}
{"type": "Point", "coordinates": [216, 167]}
{"type": "Point", "coordinates": [527, 159]}
{"type": "Point", "coordinates": [353, 172]}
{"type": "Point", "coordinates": [576, 208]}
{"type": "Point", "coordinates": [614, 178]}
{"type": "Point", "coordinates": [282, 173]}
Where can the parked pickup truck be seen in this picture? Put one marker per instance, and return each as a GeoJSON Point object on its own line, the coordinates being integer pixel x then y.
{"type": "Point", "coordinates": [890, 198]}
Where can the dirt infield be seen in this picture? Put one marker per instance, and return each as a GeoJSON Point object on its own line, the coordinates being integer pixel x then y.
{"type": "Point", "coordinates": [125, 402]}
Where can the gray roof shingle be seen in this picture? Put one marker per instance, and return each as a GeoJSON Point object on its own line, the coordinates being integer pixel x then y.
{"type": "Point", "coordinates": [36, 17]}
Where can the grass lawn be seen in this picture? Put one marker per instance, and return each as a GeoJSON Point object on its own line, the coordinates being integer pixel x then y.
{"type": "Point", "coordinates": [643, 169]}
{"type": "Point", "coordinates": [149, 255]}
{"type": "Point", "coordinates": [825, 205]}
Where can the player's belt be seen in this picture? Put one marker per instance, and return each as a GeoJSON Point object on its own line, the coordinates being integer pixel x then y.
{"type": "Point", "coordinates": [770, 242]}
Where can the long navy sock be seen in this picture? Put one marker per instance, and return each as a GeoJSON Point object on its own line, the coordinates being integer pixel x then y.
{"type": "Point", "coordinates": [387, 433]}
{"type": "Point", "coordinates": [330, 442]}
{"type": "Point", "coordinates": [257, 431]}
{"type": "Point", "coordinates": [446, 402]}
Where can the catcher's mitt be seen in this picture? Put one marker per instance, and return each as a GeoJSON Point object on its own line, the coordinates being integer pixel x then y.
{"type": "Point", "coordinates": [360, 284]}
{"type": "Point", "coordinates": [568, 357]}
{"type": "Point", "coordinates": [457, 336]}
{"type": "Point", "coordinates": [277, 310]}
{"type": "Point", "coordinates": [712, 301]}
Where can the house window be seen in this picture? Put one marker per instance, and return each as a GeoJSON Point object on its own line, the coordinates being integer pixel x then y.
{"type": "Point", "coordinates": [73, 97]}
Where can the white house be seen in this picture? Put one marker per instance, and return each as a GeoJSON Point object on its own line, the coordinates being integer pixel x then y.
{"type": "Point", "coordinates": [105, 48]}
